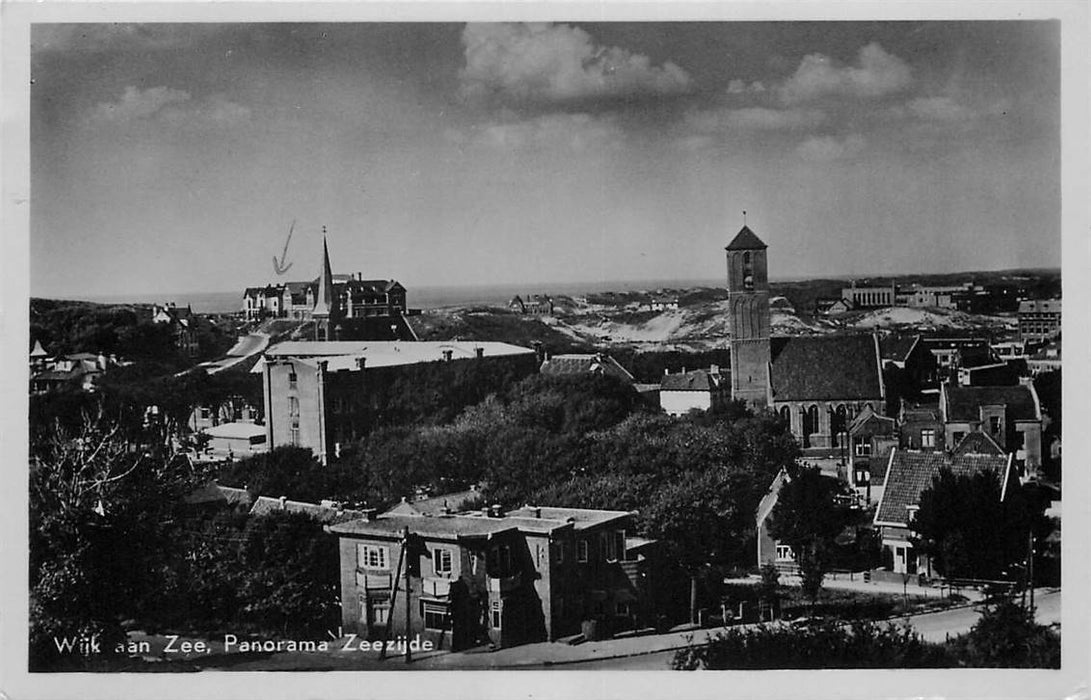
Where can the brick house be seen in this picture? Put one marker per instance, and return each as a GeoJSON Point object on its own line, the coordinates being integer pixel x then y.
{"type": "Point", "coordinates": [1010, 415]}
{"type": "Point", "coordinates": [504, 579]}
{"type": "Point", "coordinates": [700, 389]}
{"type": "Point", "coordinates": [909, 473]}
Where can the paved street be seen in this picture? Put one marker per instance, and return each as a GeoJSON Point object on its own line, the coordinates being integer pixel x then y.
{"type": "Point", "coordinates": [245, 347]}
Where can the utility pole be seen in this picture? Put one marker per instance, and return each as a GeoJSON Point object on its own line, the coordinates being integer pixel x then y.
{"type": "Point", "coordinates": [1030, 569]}
{"type": "Point", "coordinates": [408, 607]}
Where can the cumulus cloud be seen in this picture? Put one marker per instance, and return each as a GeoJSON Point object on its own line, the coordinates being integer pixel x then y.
{"type": "Point", "coordinates": [754, 119]}
{"type": "Point", "coordinates": [875, 73]}
{"type": "Point", "coordinates": [556, 132]}
{"type": "Point", "coordinates": [168, 105]}
{"type": "Point", "coordinates": [828, 148]}
{"type": "Point", "coordinates": [552, 63]}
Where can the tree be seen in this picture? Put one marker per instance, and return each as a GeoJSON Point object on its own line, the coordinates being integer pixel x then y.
{"type": "Point", "coordinates": [808, 516]}
{"type": "Point", "coordinates": [1006, 636]}
{"type": "Point", "coordinates": [968, 532]}
{"type": "Point", "coordinates": [292, 574]}
{"type": "Point", "coordinates": [101, 532]}
{"type": "Point", "coordinates": [769, 589]}
{"type": "Point", "coordinates": [283, 471]}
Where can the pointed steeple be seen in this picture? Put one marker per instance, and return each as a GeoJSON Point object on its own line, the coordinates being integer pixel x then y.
{"type": "Point", "coordinates": [746, 239]}
{"type": "Point", "coordinates": [323, 299]}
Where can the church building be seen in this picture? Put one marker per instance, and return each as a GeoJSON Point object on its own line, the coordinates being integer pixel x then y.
{"type": "Point", "coordinates": [818, 384]}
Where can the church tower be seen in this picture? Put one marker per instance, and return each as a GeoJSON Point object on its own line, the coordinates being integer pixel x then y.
{"type": "Point", "coordinates": [325, 301]}
{"type": "Point", "coordinates": [748, 320]}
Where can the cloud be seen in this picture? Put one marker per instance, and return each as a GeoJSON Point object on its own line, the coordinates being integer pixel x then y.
{"type": "Point", "coordinates": [556, 63]}
{"type": "Point", "coordinates": [754, 119]}
{"type": "Point", "coordinates": [176, 107]}
{"type": "Point", "coordinates": [828, 148]}
{"type": "Point", "coordinates": [574, 133]}
{"type": "Point", "coordinates": [737, 86]}
{"type": "Point", "coordinates": [875, 74]}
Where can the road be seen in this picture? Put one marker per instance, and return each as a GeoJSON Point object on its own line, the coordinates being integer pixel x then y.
{"type": "Point", "coordinates": [933, 627]}
{"type": "Point", "coordinates": [245, 347]}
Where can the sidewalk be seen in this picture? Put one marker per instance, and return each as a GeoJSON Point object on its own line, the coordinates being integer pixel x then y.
{"type": "Point", "coordinates": [855, 582]}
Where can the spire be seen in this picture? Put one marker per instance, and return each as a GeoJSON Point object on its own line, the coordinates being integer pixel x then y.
{"type": "Point", "coordinates": [323, 300]}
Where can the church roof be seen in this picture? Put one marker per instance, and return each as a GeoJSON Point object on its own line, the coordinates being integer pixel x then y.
{"type": "Point", "coordinates": [825, 368]}
{"type": "Point", "coordinates": [323, 303]}
{"type": "Point", "coordinates": [745, 239]}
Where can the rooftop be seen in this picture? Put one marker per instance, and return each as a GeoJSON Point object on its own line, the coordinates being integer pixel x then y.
{"type": "Point", "coordinates": [825, 368]}
{"type": "Point", "coordinates": [746, 239]}
{"type": "Point", "coordinates": [241, 431]}
{"type": "Point", "coordinates": [586, 364]}
{"type": "Point", "coordinates": [695, 380]}
{"type": "Point", "coordinates": [963, 403]}
{"type": "Point", "coordinates": [343, 355]}
{"type": "Point", "coordinates": [909, 473]}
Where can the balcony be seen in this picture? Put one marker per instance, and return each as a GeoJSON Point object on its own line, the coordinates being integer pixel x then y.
{"type": "Point", "coordinates": [436, 587]}
{"type": "Point", "coordinates": [369, 580]}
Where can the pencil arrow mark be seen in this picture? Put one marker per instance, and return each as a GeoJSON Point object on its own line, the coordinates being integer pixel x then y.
{"type": "Point", "coordinates": [278, 266]}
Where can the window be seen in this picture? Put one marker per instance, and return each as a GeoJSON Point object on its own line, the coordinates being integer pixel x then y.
{"type": "Point", "coordinates": [294, 435]}
{"type": "Point", "coordinates": [928, 437]}
{"type": "Point", "coordinates": [370, 556]}
{"type": "Point", "coordinates": [495, 613]}
{"type": "Point", "coordinates": [784, 553]}
{"type": "Point", "coordinates": [441, 561]}
{"type": "Point", "coordinates": [378, 612]}
{"type": "Point", "coordinates": [560, 552]}
{"type": "Point", "coordinates": [614, 545]}
{"type": "Point", "coordinates": [205, 413]}
{"type": "Point", "coordinates": [435, 616]}
{"type": "Point", "coordinates": [581, 551]}
{"type": "Point", "coordinates": [863, 448]}
{"type": "Point", "coordinates": [293, 380]}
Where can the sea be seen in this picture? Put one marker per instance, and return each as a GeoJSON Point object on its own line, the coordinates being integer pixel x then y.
{"type": "Point", "coordinates": [424, 297]}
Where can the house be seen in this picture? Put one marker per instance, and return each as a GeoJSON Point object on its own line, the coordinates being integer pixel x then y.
{"type": "Point", "coordinates": [872, 436]}
{"type": "Point", "coordinates": [909, 363]}
{"type": "Point", "coordinates": [436, 505]}
{"type": "Point", "coordinates": [183, 324]}
{"type": "Point", "coordinates": [326, 512]}
{"type": "Point", "coordinates": [954, 353]}
{"type": "Point", "coordinates": [77, 370]}
{"type": "Point", "coordinates": [234, 441]}
{"type": "Point", "coordinates": [1039, 319]}
{"type": "Point", "coordinates": [909, 473]}
{"type": "Point", "coordinates": [816, 384]}
{"type": "Point", "coordinates": [769, 550]}
{"type": "Point", "coordinates": [995, 374]}
{"type": "Point", "coordinates": [920, 426]}
{"type": "Point", "coordinates": [867, 297]}
{"type": "Point", "coordinates": [831, 306]}
{"type": "Point", "coordinates": [1046, 359]}
{"type": "Point", "coordinates": [214, 496]}
{"type": "Point", "coordinates": [1010, 415]}
{"type": "Point", "coordinates": [663, 303]}
{"type": "Point", "coordinates": [316, 392]}
{"type": "Point", "coordinates": [235, 409]}
{"type": "Point", "coordinates": [700, 389]}
{"type": "Point", "coordinates": [581, 364]}
{"type": "Point", "coordinates": [529, 575]}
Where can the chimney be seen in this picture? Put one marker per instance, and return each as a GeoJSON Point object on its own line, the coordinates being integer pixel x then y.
{"type": "Point", "coordinates": [370, 514]}
{"type": "Point", "coordinates": [479, 351]}
{"type": "Point", "coordinates": [496, 511]}
{"type": "Point", "coordinates": [538, 351]}
{"type": "Point", "coordinates": [283, 502]}
{"type": "Point", "coordinates": [537, 512]}
{"type": "Point", "coordinates": [360, 362]}
{"type": "Point", "coordinates": [447, 355]}
{"type": "Point", "coordinates": [322, 365]}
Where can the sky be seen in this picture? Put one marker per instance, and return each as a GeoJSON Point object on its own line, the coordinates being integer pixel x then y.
{"type": "Point", "coordinates": [175, 158]}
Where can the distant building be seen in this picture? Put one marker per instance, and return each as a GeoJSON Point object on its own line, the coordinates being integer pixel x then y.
{"type": "Point", "coordinates": [872, 436]}
{"type": "Point", "coordinates": [77, 370]}
{"type": "Point", "coordinates": [183, 324]}
{"type": "Point", "coordinates": [330, 300]}
{"type": "Point", "coordinates": [530, 575]}
{"type": "Point", "coordinates": [316, 392]}
{"type": "Point", "coordinates": [326, 512]}
{"type": "Point", "coordinates": [234, 441]}
{"type": "Point", "coordinates": [954, 353]}
{"type": "Point", "coordinates": [920, 426]}
{"type": "Point", "coordinates": [865, 297]}
{"type": "Point", "coordinates": [1045, 359]}
{"type": "Point", "coordinates": [663, 304]}
{"type": "Point", "coordinates": [537, 304]}
{"type": "Point", "coordinates": [1039, 319]}
{"type": "Point", "coordinates": [831, 306]}
{"type": "Point", "coordinates": [908, 475]}
{"type": "Point", "coordinates": [700, 389]}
